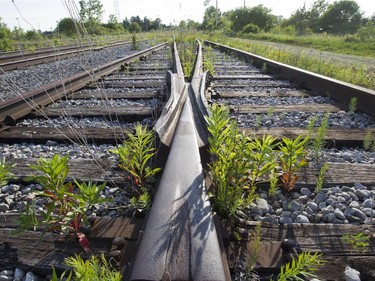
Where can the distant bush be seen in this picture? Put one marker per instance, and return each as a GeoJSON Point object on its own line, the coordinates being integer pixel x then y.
{"type": "Point", "coordinates": [367, 32]}
{"type": "Point", "coordinates": [250, 28]}
{"type": "Point", "coordinates": [352, 38]}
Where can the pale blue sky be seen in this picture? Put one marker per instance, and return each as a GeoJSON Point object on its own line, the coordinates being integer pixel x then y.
{"type": "Point", "coordinates": [44, 14]}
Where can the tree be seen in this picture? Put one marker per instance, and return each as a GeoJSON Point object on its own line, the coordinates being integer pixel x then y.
{"type": "Point", "coordinates": [315, 13]}
{"type": "Point", "coordinates": [258, 15]}
{"type": "Point", "coordinates": [135, 27]}
{"type": "Point", "coordinates": [5, 36]}
{"type": "Point", "coordinates": [209, 18]}
{"type": "Point", "coordinates": [343, 17]}
{"type": "Point", "coordinates": [91, 11]}
{"type": "Point", "coordinates": [66, 26]}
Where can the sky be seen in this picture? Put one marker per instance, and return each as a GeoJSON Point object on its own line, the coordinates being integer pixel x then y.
{"type": "Point", "coordinates": [44, 14]}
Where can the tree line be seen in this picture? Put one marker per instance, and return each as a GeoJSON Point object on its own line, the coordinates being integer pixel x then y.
{"type": "Point", "coordinates": [339, 18]}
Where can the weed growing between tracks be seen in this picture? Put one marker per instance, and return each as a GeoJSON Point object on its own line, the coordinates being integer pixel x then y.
{"type": "Point", "coordinates": [305, 265]}
{"type": "Point", "coordinates": [65, 209]}
{"type": "Point", "coordinates": [136, 155]}
{"type": "Point", "coordinates": [93, 269]}
{"type": "Point", "coordinates": [238, 163]}
{"type": "Point", "coordinates": [5, 174]}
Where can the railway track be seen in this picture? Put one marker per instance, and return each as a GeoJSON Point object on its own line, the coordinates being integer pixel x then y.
{"type": "Point", "coordinates": [21, 59]}
{"type": "Point", "coordinates": [179, 240]}
{"type": "Point", "coordinates": [268, 98]}
{"type": "Point", "coordinates": [83, 116]}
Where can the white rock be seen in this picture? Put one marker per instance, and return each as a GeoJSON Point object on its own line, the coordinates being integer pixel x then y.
{"type": "Point", "coordinates": [351, 274]}
{"type": "Point", "coordinates": [19, 274]}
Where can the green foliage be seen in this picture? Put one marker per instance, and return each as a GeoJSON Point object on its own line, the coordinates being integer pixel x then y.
{"type": "Point", "coordinates": [254, 249]}
{"type": "Point", "coordinates": [67, 26]}
{"type": "Point", "coordinates": [318, 142]}
{"type": "Point", "coordinates": [91, 11]}
{"type": "Point", "coordinates": [292, 159]}
{"type": "Point", "coordinates": [250, 28]}
{"type": "Point", "coordinates": [341, 17]}
{"type": "Point", "coordinates": [135, 155]}
{"type": "Point", "coordinates": [228, 168]}
{"type": "Point", "coordinates": [142, 202]}
{"type": "Point", "coordinates": [262, 158]}
{"type": "Point", "coordinates": [320, 180]}
{"type": "Point", "coordinates": [209, 60]}
{"type": "Point", "coordinates": [134, 27]}
{"type": "Point", "coordinates": [238, 163]}
{"type": "Point", "coordinates": [258, 120]}
{"type": "Point", "coordinates": [274, 183]}
{"type": "Point", "coordinates": [93, 269]}
{"type": "Point", "coordinates": [187, 52]}
{"type": "Point", "coordinates": [311, 125]}
{"type": "Point", "coordinates": [353, 104]}
{"type": "Point", "coordinates": [358, 241]}
{"type": "Point", "coordinates": [62, 277]}
{"type": "Point", "coordinates": [304, 266]}
{"type": "Point", "coordinates": [135, 43]}
{"type": "Point", "coordinates": [65, 208]}
{"type": "Point", "coordinates": [258, 16]}
{"type": "Point", "coordinates": [270, 111]}
{"type": "Point", "coordinates": [369, 142]}
{"type": "Point", "coordinates": [5, 174]}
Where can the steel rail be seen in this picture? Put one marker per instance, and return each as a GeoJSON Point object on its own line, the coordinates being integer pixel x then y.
{"type": "Point", "coordinates": [340, 91]}
{"type": "Point", "coordinates": [15, 55]}
{"type": "Point", "coordinates": [20, 106]}
{"type": "Point", "coordinates": [30, 59]}
{"type": "Point", "coordinates": [180, 241]}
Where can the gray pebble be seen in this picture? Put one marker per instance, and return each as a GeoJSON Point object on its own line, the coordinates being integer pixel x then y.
{"type": "Point", "coordinates": [320, 197]}
{"type": "Point", "coordinates": [285, 220]}
{"type": "Point", "coordinates": [302, 219]}
{"type": "Point", "coordinates": [339, 214]}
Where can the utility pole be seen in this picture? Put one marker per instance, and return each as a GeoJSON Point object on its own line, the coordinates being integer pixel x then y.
{"type": "Point", "coordinates": [117, 9]}
{"type": "Point", "coordinates": [217, 12]}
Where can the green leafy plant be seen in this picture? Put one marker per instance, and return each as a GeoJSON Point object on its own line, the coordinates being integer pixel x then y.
{"type": "Point", "coordinates": [304, 266]}
{"type": "Point", "coordinates": [358, 241]}
{"type": "Point", "coordinates": [238, 163]}
{"type": "Point", "coordinates": [270, 111]}
{"type": "Point", "coordinates": [255, 247]}
{"type": "Point", "coordinates": [66, 206]}
{"type": "Point", "coordinates": [262, 158]}
{"type": "Point", "coordinates": [135, 43]}
{"type": "Point", "coordinates": [274, 183]}
{"type": "Point", "coordinates": [142, 202]}
{"type": "Point", "coordinates": [135, 155]}
{"type": "Point", "coordinates": [209, 60]}
{"type": "Point", "coordinates": [368, 141]}
{"type": "Point", "coordinates": [320, 180]}
{"type": "Point", "coordinates": [292, 158]}
{"type": "Point", "coordinates": [93, 269]}
{"type": "Point", "coordinates": [353, 105]}
{"type": "Point", "coordinates": [5, 174]}
{"type": "Point", "coordinates": [228, 168]}
{"type": "Point", "coordinates": [258, 120]}
{"type": "Point", "coordinates": [311, 125]}
{"type": "Point", "coordinates": [318, 142]}
{"type": "Point", "coordinates": [62, 277]}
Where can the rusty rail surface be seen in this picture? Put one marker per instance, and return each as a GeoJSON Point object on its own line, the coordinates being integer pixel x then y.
{"type": "Point", "coordinates": [323, 85]}
{"type": "Point", "coordinates": [15, 108]}
{"type": "Point", "coordinates": [180, 241]}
